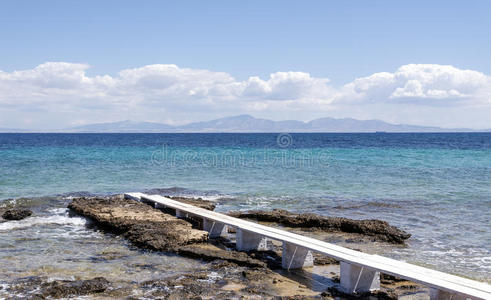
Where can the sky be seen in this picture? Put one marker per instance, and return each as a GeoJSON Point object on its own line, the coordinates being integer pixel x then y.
{"type": "Point", "coordinates": [69, 63]}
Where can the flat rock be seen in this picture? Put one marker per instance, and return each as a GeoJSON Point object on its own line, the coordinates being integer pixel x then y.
{"type": "Point", "coordinates": [152, 229]}
{"type": "Point", "coordinates": [378, 229]}
{"type": "Point", "coordinates": [16, 214]}
{"type": "Point", "coordinates": [141, 224]}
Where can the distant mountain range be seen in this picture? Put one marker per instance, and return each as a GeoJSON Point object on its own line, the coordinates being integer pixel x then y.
{"type": "Point", "coordinates": [122, 126]}
{"type": "Point", "coordinates": [13, 130]}
{"type": "Point", "coordinates": [246, 123]}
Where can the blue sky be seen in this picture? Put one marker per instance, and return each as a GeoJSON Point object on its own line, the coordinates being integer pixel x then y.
{"type": "Point", "coordinates": [340, 41]}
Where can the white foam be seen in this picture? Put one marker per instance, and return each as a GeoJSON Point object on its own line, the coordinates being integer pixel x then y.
{"type": "Point", "coordinates": [51, 279]}
{"type": "Point", "coordinates": [210, 198]}
{"type": "Point", "coordinates": [212, 278]}
{"type": "Point", "coordinates": [213, 198]}
{"type": "Point", "coordinates": [61, 218]}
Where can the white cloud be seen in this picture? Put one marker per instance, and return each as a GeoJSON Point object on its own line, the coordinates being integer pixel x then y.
{"type": "Point", "coordinates": [421, 81]}
{"type": "Point", "coordinates": [287, 86]}
{"type": "Point", "coordinates": [65, 94]}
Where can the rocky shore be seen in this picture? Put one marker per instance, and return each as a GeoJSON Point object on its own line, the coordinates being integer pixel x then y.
{"type": "Point", "coordinates": [152, 229]}
{"type": "Point", "coordinates": [16, 214]}
{"type": "Point", "coordinates": [230, 274]}
{"type": "Point", "coordinates": [225, 272]}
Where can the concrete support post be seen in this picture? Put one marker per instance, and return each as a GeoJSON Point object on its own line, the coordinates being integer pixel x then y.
{"type": "Point", "coordinates": [295, 257]}
{"type": "Point", "coordinates": [215, 229]}
{"type": "Point", "coordinates": [246, 240]}
{"type": "Point", "coordinates": [436, 294]}
{"type": "Point", "coordinates": [356, 279]}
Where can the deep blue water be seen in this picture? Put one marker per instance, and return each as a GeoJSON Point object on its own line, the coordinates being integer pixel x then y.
{"type": "Point", "coordinates": [436, 186]}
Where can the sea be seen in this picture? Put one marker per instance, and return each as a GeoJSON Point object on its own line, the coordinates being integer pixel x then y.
{"type": "Point", "coordinates": [436, 186]}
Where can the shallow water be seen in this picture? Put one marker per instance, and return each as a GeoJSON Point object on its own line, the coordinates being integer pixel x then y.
{"type": "Point", "coordinates": [56, 245]}
{"type": "Point", "coordinates": [435, 186]}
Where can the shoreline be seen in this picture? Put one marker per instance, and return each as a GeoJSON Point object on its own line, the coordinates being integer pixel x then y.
{"type": "Point", "coordinates": [223, 272]}
{"type": "Point", "coordinates": [228, 273]}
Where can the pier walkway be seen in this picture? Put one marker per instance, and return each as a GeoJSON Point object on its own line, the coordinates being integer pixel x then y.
{"type": "Point", "coordinates": [360, 271]}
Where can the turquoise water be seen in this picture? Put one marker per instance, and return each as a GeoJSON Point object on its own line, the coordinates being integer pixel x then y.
{"type": "Point", "coordinates": [435, 186]}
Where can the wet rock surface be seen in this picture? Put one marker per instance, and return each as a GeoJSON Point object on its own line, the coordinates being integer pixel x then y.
{"type": "Point", "coordinates": [141, 224]}
{"type": "Point", "coordinates": [378, 229]}
{"type": "Point", "coordinates": [62, 289]}
{"type": "Point", "coordinates": [42, 288]}
{"type": "Point", "coordinates": [149, 228]}
{"type": "Point", "coordinates": [16, 214]}
{"type": "Point", "coordinates": [223, 280]}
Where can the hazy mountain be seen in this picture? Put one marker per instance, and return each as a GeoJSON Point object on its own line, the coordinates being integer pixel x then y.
{"type": "Point", "coordinates": [352, 125]}
{"type": "Point", "coordinates": [246, 123]}
{"type": "Point", "coordinates": [123, 126]}
{"type": "Point", "coordinates": [242, 123]}
{"type": "Point", "coordinates": [13, 130]}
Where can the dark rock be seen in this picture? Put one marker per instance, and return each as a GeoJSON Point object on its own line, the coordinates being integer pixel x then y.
{"type": "Point", "coordinates": [210, 253]}
{"type": "Point", "coordinates": [389, 279]}
{"type": "Point", "coordinates": [321, 260]}
{"type": "Point", "coordinates": [373, 295]}
{"type": "Point", "coordinates": [380, 230]}
{"type": "Point", "coordinates": [16, 214]}
{"type": "Point", "coordinates": [199, 202]}
{"type": "Point", "coordinates": [62, 289]}
{"type": "Point", "coordinates": [271, 257]}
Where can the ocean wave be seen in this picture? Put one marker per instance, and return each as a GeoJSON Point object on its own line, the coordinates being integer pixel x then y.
{"type": "Point", "coordinates": [30, 201]}
{"type": "Point", "coordinates": [60, 218]}
{"type": "Point", "coordinates": [71, 195]}
{"type": "Point", "coordinates": [210, 195]}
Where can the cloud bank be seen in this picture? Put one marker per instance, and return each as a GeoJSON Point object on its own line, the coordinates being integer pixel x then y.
{"type": "Point", "coordinates": [62, 94]}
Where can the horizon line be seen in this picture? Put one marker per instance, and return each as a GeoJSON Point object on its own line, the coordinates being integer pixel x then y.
{"type": "Point", "coordinates": [67, 129]}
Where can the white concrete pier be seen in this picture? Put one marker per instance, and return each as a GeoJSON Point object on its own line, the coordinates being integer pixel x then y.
{"type": "Point", "coordinates": [296, 257]}
{"type": "Point", "coordinates": [358, 279]}
{"type": "Point", "coordinates": [215, 229]}
{"type": "Point", "coordinates": [359, 271]}
{"type": "Point", "coordinates": [248, 240]}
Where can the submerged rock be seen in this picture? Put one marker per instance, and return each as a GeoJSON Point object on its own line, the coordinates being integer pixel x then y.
{"type": "Point", "coordinates": [16, 214]}
{"type": "Point", "coordinates": [380, 230]}
{"type": "Point", "coordinates": [63, 289]}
